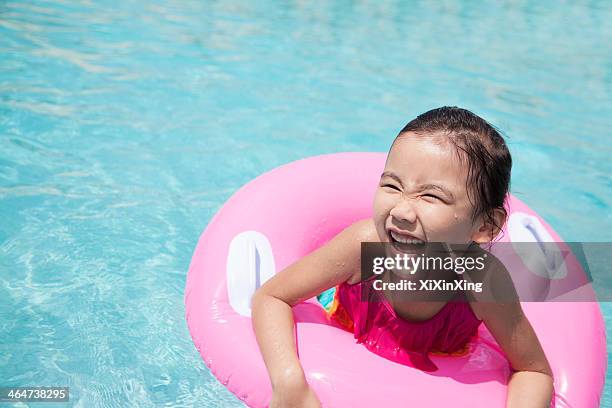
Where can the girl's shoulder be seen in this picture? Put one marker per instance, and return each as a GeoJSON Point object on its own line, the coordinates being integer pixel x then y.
{"type": "Point", "coordinates": [365, 231]}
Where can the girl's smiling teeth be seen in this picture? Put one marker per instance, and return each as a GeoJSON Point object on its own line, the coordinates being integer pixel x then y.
{"type": "Point", "coordinates": [405, 239]}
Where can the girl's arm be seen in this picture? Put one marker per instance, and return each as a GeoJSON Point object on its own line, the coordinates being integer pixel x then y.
{"type": "Point", "coordinates": [335, 262]}
{"type": "Point", "coordinates": [531, 384]}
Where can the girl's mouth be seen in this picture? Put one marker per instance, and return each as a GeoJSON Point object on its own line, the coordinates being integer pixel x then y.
{"type": "Point", "coordinates": [405, 243]}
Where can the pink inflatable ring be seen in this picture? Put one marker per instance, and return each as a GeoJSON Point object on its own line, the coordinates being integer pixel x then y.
{"type": "Point", "coordinates": [288, 212]}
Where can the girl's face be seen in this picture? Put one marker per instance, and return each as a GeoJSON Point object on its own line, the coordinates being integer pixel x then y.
{"type": "Point", "coordinates": [422, 193]}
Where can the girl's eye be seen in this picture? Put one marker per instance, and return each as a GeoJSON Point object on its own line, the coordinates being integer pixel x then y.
{"type": "Point", "coordinates": [432, 196]}
{"type": "Point", "coordinates": [391, 186]}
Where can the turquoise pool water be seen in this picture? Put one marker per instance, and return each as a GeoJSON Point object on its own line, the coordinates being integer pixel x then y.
{"type": "Point", "coordinates": [124, 126]}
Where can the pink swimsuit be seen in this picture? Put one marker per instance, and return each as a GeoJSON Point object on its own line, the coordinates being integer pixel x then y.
{"type": "Point", "coordinates": [376, 325]}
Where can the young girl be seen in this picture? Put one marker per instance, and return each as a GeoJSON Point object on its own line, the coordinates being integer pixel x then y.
{"type": "Point", "coordinates": [445, 180]}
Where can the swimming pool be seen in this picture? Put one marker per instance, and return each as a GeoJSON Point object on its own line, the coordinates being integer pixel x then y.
{"type": "Point", "coordinates": [124, 127]}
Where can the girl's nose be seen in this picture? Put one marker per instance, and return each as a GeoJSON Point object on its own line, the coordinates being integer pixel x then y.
{"type": "Point", "coordinates": [404, 211]}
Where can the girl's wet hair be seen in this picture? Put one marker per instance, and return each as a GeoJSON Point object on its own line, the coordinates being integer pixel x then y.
{"type": "Point", "coordinates": [480, 146]}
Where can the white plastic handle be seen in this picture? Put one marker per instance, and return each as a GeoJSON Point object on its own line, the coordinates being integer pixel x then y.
{"type": "Point", "coordinates": [549, 263]}
{"type": "Point", "coordinates": [250, 263]}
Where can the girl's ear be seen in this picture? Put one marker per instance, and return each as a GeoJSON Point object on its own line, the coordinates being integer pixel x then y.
{"type": "Point", "coordinates": [488, 228]}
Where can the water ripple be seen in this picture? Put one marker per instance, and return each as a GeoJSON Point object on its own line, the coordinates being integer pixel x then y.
{"type": "Point", "coordinates": [124, 126]}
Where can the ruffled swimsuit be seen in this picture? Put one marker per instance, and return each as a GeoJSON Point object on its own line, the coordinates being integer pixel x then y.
{"type": "Point", "coordinates": [377, 326]}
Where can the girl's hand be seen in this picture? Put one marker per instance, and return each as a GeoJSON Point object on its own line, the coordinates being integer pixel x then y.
{"type": "Point", "coordinates": [295, 397]}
